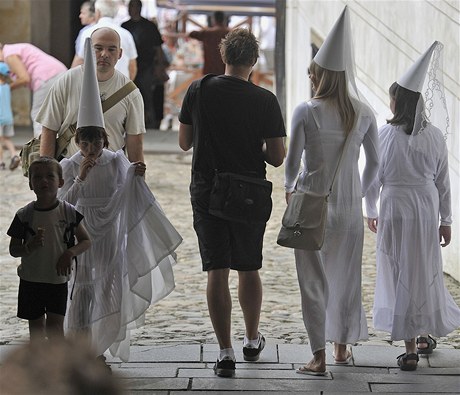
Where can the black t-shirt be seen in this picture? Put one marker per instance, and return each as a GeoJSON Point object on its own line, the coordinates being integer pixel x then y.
{"type": "Point", "coordinates": [238, 116]}
{"type": "Point", "coordinates": [147, 39]}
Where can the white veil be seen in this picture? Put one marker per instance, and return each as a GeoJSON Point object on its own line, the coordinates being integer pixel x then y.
{"type": "Point", "coordinates": [426, 76]}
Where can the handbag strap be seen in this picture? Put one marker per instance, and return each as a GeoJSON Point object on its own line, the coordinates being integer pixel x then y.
{"type": "Point", "coordinates": [345, 145]}
{"type": "Point", "coordinates": [120, 94]}
{"type": "Point", "coordinates": [202, 127]}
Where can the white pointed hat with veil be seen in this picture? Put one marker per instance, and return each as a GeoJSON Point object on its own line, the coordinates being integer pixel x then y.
{"type": "Point", "coordinates": [90, 109]}
{"type": "Point", "coordinates": [425, 76]}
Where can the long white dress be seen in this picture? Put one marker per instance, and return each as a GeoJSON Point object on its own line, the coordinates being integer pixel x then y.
{"type": "Point", "coordinates": [410, 296]}
{"type": "Point", "coordinates": [338, 288]}
{"type": "Point", "coordinates": [129, 264]}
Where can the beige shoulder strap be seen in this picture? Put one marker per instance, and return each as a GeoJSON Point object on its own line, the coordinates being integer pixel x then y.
{"type": "Point", "coordinates": [118, 95]}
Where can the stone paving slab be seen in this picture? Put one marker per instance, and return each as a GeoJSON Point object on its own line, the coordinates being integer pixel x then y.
{"type": "Point", "coordinates": [163, 384]}
{"type": "Point", "coordinates": [252, 374]}
{"type": "Point", "coordinates": [170, 353]}
{"type": "Point", "coordinates": [444, 358]}
{"type": "Point", "coordinates": [146, 372]}
{"type": "Point", "coordinates": [153, 364]}
{"type": "Point", "coordinates": [239, 392]}
{"type": "Point", "coordinates": [308, 383]}
{"type": "Point", "coordinates": [417, 388]}
{"type": "Point", "coordinates": [380, 356]}
{"type": "Point", "coordinates": [269, 354]}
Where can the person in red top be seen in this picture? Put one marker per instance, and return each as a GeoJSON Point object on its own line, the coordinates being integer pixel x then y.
{"type": "Point", "coordinates": [211, 37]}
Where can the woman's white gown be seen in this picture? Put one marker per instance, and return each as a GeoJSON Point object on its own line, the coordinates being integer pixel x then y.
{"type": "Point", "coordinates": [319, 144]}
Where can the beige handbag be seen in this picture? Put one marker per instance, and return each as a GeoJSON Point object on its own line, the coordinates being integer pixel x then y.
{"type": "Point", "coordinates": [304, 222]}
{"type": "Point", "coordinates": [31, 150]}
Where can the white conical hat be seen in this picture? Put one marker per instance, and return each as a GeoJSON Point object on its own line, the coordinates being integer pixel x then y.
{"type": "Point", "coordinates": [414, 77]}
{"type": "Point", "coordinates": [90, 110]}
{"type": "Point", "coordinates": [333, 53]}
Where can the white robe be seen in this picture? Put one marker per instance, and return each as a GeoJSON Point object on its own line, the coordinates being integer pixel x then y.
{"type": "Point", "coordinates": [129, 264]}
{"type": "Point", "coordinates": [410, 296]}
{"type": "Point", "coordinates": [337, 286]}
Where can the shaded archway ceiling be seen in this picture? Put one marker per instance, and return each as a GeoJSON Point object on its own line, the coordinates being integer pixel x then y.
{"type": "Point", "coordinates": [235, 7]}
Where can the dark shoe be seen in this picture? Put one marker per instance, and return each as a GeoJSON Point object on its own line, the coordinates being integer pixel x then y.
{"type": "Point", "coordinates": [252, 354]}
{"type": "Point", "coordinates": [404, 358]}
{"type": "Point", "coordinates": [225, 368]}
{"type": "Point", "coordinates": [2, 166]}
{"type": "Point", "coordinates": [430, 342]}
{"type": "Point", "coordinates": [15, 161]}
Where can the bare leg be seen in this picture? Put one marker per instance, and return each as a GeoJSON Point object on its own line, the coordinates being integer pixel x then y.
{"type": "Point", "coordinates": [1, 151]}
{"type": "Point", "coordinates": [250, 297]}
{"type": "Point", "coordinates": [340, 352]}
{"type": "Point", "coordinates": [318, 363]}
{"type": "Point", "coordinates": [10, 146]}
{"type": "Point", "coordinates": [54, 326]}
{"type": "Point", "coordinates": [37, 329]}
{"type": "Point", "coordinates": [220, 305]}
{"type": "Point", "coordinates": [411, 348]}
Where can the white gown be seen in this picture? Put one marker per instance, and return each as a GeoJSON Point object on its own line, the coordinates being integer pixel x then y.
{"type": "Point", "coordinates": [319, 145]}
{"type": "Point", "coordinates": [129, 264]}
{"type": "Point", "coordinates": [410, 296]}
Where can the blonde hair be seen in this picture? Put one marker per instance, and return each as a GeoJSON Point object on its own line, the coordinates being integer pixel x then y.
{"type": "Point", "coordinates": [332, 86]}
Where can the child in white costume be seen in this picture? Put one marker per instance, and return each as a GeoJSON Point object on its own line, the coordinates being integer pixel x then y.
{"type": "Point", "coordinates": [415, 215]}
{"type": "Point", "coordinates": [129, 266]}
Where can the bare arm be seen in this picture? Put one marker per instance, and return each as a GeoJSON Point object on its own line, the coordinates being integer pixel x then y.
{"type": "Point", "coordinates": [77, 61]}
{"type": "Point", "coordinates": [135, 147]}
{"type": "Point", "coordinates": [274, 151]}
{"type": "Point", "coordinates": [47, 142]}
{"type": "Point", "coordinates": [19, 249]}
{"type": "Point", "coordinates": [18, 68]}
{"type": "Point", "coordinates": [185, 136]}
{"type": "Point", "coordinates": [132, 67]}
{"type": "Point", "coordinates": [64, 263]}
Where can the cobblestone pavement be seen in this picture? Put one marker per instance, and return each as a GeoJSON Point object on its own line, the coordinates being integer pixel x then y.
{"type": "Point", "coordinates": [182, 317]}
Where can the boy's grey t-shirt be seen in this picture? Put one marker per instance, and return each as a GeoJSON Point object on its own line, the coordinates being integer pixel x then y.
{"type": "Point", "coordinates": [40, 264]}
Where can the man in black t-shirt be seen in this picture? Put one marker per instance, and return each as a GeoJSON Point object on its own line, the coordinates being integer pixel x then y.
{"type": "Point", "coordinates": [233, 126]}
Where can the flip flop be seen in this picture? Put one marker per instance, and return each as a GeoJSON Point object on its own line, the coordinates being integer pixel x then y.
{"type": "Point", "coordinates": [430, 345]}
{"type": "Point", "coordinates": [308, 371]}
{"type": "Point", "coordinates": [345, 361]}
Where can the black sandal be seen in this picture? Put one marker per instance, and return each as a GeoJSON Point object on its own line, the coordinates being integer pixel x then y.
{"type": "Point", "coordinates": [402, 361]}
{"type": "Point", "coordinates": [429, 341]}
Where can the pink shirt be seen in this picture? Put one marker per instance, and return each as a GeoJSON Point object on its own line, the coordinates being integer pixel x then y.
{"type": "Point", "coordinates": [40, 66]}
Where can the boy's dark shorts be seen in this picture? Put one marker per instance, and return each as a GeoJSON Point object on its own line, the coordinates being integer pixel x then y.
{"type": "Point", "coordinates": [37, 299]}
{"type": "Point", "coordinates": [225, 244]}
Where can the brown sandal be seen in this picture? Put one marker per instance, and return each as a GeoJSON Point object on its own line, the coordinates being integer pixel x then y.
{"type": "Point", "coordinates": [430, 345]}
{"type": "Point", "coordinates": [15, 161]}
{"type": "Point", "coordinates": [404, 358]}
